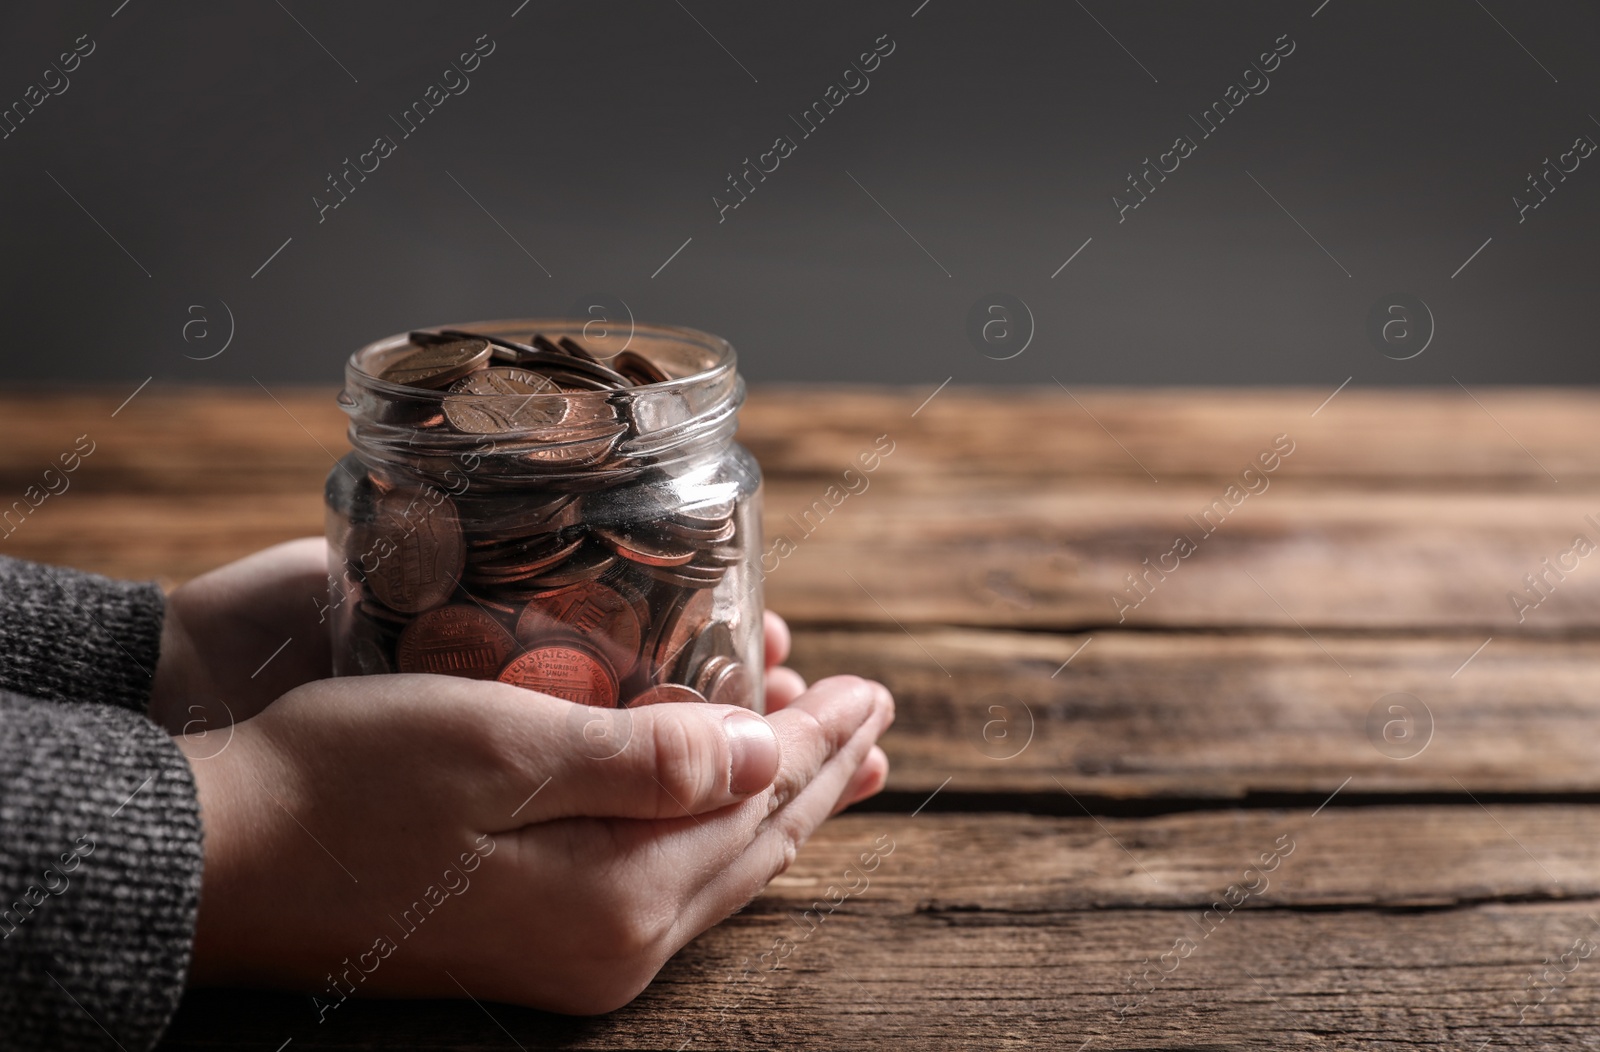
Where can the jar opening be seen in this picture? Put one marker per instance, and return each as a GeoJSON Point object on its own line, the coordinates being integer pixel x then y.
{"type": "Point", "coordinates": [593, 432]}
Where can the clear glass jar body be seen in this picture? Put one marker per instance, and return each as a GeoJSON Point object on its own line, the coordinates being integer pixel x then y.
{"type": "Point", "coordinates": [591, 544]}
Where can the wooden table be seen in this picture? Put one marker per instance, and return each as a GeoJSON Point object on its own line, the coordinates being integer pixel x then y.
{"type": "Point", "coordinates": [1193, 827]}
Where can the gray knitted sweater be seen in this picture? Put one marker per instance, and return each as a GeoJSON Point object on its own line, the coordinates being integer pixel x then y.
{"type": "Point", "coordinates": [100, 845]}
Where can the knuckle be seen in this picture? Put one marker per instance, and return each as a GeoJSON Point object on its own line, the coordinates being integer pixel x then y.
{"type": "Point", "coordinates": [849, 683]}
{"type": "Point", "coordinates": [788, 851]}
{"type": "Point", "coordinates": [685, 762]}
{"type": "Point", "coordinates": [793, 778]}
{"type": "Point", "coordinates": [488, 748]}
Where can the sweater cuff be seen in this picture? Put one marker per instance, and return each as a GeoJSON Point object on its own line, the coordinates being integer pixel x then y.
{"type": "Point", "coordinates": [101, 863]}
{"type": "Point", "coordinates": [74, 636]}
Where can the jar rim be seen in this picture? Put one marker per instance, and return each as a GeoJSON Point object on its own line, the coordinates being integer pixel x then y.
{"type": "Point", "coordinates": [720, 357]}
{"type": "Point", "coordinates": [565, 433]}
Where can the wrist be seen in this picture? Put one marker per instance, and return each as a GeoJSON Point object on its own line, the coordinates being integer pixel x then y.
{"type": "Point", "coordinates": [172, 685]}
{"type": "Point", "coordinates": [217, 761]}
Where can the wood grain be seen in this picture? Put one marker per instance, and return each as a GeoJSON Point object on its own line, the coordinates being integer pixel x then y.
{"type": "Point", "coordinates": [1218, 716]}
{"type": "Point", "coordinates": [987, 552]}
{"type": "Point", "coordinates": [997, 926]}
{"type": "Point", "coordinates": [1491, 438]}
{"type": "Point", "coordinates": [990, 552]}
{"type": "Point", "coordinates": [1381, 857]}
{"type": "Point", "coordinates": [977, 556]}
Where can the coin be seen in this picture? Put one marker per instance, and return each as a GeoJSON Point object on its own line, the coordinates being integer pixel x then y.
{"type": "Point", "coordinates": [379, 612]}
{"type": "Point", "coordinates": [725, 682]}
{"type": "Point", "coordinates": [438, 364]}
{"type": "Point", "coordinates": [713, 640]}
{"type": "Point", "coordinates": [690, 610]}
{"type": "Point", "coordinates": [497, 343]}
{"type": "Point", "coordinates": [638, 546]}
{"type": "Point", "coordinates": [411, 554]}
{"type": "Point", "coordinates": [694, 532]}
{"type": "Point", "coordinates": [600, 614]}
{"type": "Point", "coordinates": [526, 515]}
{"type": "Point", "coordinates": [686, 576]}
{"type": "Point", "coordinates": [576, 448]}
{"type": "Point", "coordinates": [590, 562]}
{"type": "Point", "coordinates": [455, 640]}
{"type": "Point", "coordinates": [500, 399]}
{"type": "Point", "coordinates": [568, 669]}
{"type": "Point", "coordinates": [577, 350]}
{"type": "Point", "coordinates": [638, 368]}
{"type": "Point", "coordinates": [665, 692]}
{"type": "Point", "coordinates": [549, 356]}
{"type": "Point", "coordinates": [521, 562]}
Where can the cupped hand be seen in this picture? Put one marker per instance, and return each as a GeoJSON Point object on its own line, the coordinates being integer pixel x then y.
{"type": "Point", "coordinates": [428, 836]}
{"type": "Point", "coordinates": [239, 636]}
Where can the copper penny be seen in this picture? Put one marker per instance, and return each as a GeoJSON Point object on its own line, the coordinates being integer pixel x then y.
{"type": "Point", "coordinates": [665, 692]}
{"type": "Point", "coordinates": [576, 349]}
{"type": "Point", "coordinates": [576, 447]}
{"type": "Point", "coordinates": [637, 547]}
{"type": "Point", "coordinates": [570, 670]}
{"type": "Point", "coordinates": [438, 364]}
{"type": "Point", "coordinates": [714, 640]}
{"type": "Point", "coordinates": [708, 670]}
{"type": "Point", "coordinates": [455, 640]}
{"type": "Point", "coordinates": [411, 553]}
{"type": "Point", "coordinates": [600, 614]}
{"type": "Point", "coordinates": [638, 368]}
{"type": "Point", "coordinates": [679, 628]}
{"type": "Point", "coordinates": [686, 576]}
{"type": "Point", "coordinates": [586, 565]}
{"type": "Point", "coordinates": [500, 399]}
{"type": "Point", "coordinates": [519, 564]}
{"type": "Point", "coordinates": [726, 683]}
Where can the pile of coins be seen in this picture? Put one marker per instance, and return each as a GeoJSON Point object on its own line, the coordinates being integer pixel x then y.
{"type": "Point", "coordinates": [559, 564]}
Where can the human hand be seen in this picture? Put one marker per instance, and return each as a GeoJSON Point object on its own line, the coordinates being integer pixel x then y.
{"type": "Point", "coordinates": [430, 836]}
{"type": "Point", "coordinates": [784, 685]}
{"type": "Point", "coordinates": [241, 635]}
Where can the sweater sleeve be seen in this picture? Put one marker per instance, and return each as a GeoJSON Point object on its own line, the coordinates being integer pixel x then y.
{"type": "Point", "coordinates": [100, 841]}
{"type": "Point", "coordinates": [100, 862]}
{"type": "Point", "coordinates": [66, 635]}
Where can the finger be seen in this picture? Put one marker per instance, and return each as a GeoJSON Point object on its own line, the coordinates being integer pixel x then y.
{"type": "Point", "coordinates": [784, 685]}
{"type": "Point", "coordinates": [838, 717]}
{"type": "Point", "coordinates": [868, 780]}
{"type": "Point", "coordinates": [289, 566]}
{"type": "Point", "coordinates": [777, 638]}
{"type": "Point", "coordinates": [819, 763]}
{"type": "Point", "coordinates": [695, 852]}
{"type": "Point", "coordinates": [671, 760]}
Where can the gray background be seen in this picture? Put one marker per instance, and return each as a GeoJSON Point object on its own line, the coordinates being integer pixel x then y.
{"type": "Point", "coordinates": [196, 135]}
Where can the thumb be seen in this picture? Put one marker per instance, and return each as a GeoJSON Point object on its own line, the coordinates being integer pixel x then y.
{"type": "Point", "coordinates": [669, 760]}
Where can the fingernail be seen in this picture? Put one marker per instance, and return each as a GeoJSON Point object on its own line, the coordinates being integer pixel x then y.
{"type": "Point", "coordinates": [754, 748]}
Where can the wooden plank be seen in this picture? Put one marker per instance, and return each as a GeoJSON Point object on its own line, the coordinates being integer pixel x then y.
{"type": "Point", "coordinates": [990, 553]}
{"type": "Point", "coordinates": [995, 925]}
{"type": "Point", "coordinates": [995, 552]}
{"type": "Point", "coordinates": [166, 537]}
{"type": "Point", "coordinates": [1339, 857]}
{"type": "Point", "coordinates": [1449, 981]}
{"type": "Point", "coordinates": [1397, 435]}
{"type": "Point", "coordinates": [1221, 716]}
{"type": "Point", "coordinates": [167, 437]}
{"type": "Point", "coordinates": [181, 441]}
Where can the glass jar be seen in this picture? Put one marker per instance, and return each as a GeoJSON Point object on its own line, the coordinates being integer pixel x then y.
{"type": "Point", "coordinates": [592, 540]}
